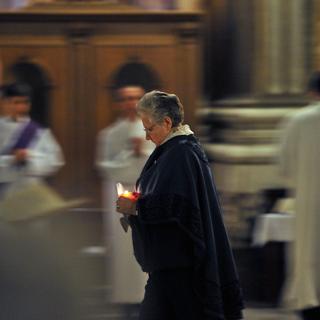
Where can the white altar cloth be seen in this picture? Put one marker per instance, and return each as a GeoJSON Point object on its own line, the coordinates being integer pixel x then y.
{"type": "Point", "coordinates": [273, 227]}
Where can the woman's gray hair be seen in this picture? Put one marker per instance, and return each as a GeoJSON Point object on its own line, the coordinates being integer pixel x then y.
{"type": "Point", "coordinates": [159, 105]}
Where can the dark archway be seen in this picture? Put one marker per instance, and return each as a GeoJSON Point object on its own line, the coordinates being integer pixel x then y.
{"type": "Point", "coordinates": [37, 79]}
{"type": "Point", "coordinates": [136, 74]}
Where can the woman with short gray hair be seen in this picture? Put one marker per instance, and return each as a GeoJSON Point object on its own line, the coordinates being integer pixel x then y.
{"type": "Point", "coordinates": [160, 104]}
{"type": "Point", "coordinates": [178, 233]}
{"type": "Point", "coordinates": [162, 116]}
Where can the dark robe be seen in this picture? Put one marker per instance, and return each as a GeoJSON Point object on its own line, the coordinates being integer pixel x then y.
{"type": "Point", "coordinates": [179, 224]}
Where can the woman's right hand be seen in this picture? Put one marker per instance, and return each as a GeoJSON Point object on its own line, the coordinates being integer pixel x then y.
{"type": "Point", "coordinates": [126, 206]}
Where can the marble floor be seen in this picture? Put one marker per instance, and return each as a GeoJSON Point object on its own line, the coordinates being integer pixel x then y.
{"type": "Point", "coordinates": [100, 310]}
{"type": "Point", "coordinates": [268, 314]}
{"type": "Point", "coordinates": [111, 313]}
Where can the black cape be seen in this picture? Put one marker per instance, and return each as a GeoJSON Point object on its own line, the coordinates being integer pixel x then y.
{"type": "Point", "coordinates": [179, 224]}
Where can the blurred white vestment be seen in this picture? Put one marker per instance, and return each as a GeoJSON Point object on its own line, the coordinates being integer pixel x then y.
{"type": "Point", "coordinates": [118, 163]}
{"type": "Point", "coordinates": [300, 160]}
{"type": "Point", "coordinates": [44, 157]}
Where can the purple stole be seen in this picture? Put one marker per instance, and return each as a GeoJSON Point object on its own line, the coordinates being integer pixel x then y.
{"type": "Point", "coordinates": [24, 138]}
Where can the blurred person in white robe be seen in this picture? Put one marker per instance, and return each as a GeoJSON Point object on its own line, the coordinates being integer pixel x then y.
{"type": "Point", "coordinates": [299, 163]}
{"type": "Point", "coordinates": [28, 152]}
{"type": "Point", "coordinates": [121, 154]}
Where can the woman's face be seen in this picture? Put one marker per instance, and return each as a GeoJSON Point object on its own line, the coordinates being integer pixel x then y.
{"type": "Point", "coordinates": [156, 132]}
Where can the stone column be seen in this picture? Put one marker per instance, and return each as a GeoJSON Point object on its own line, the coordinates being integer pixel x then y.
{"type": "Point", "coordinates": [316, 36]}
{"type": "Point", "coordinates": [243, 131]}
{"type": "Point", "coordinates": [242, 141]}
{"type": "Point", "coordinates": [280, 44]}
{"type": "Point", "coordinates": [298, 43]}
{"type": "Point", "coordinates": [276, 37]}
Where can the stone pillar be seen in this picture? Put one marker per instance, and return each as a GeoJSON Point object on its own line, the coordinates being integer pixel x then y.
{"type": "Point", "coordinates": [316, 36]}
{"type": "Point", "coordinates": [298, 72]}
{"type": "Point", "coordinates": [277, 42]}
{"type": "Point", "coordinates": [281, 40]}
{"type": "Point", "coordinates": [243, 131]}
{"type": "Point", "coordinates": [242, 144]}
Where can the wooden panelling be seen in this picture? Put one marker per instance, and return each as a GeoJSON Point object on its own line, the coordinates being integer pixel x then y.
{"type": "Point", "coordinates": [80, 51]}
{"type": "Point", "coordinates": [110, 59]}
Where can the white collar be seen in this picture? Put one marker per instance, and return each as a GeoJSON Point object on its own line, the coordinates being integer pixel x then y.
{"type": "Point", "coordinates": [181, 130]}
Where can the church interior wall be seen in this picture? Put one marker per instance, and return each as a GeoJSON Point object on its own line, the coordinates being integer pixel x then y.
{"type": "Point", "coordinates": [240, 69]}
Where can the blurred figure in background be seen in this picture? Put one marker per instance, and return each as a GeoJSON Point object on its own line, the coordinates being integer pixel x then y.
{"type": "Point", "coordinates": [28, 152]}
{"type": "Point", "coordinates": [299, 160]}
{"type": "Point", "coordinates": [121, 153]}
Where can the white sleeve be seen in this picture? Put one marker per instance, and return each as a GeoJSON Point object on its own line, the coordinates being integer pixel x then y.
{"type": "Point", "coordinates": [45, 156]}
{"type": "Point", "coordinates": [136, 130]}
{"type": "Point", "coordinates": [115, 159]}
{"type": "Point", "coordinates": [6, 160]}
{"type": "Point", "coordinates": [106, 151]}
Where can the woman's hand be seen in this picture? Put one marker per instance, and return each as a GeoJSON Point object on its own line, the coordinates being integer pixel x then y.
{"type": "Point", "coordinates": [126, 206]}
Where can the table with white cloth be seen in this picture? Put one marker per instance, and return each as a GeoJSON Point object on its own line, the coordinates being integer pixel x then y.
{"type": "Point", "coordinates": [273, 227]}
{"type": "Point", "coordinates": [271, 234]}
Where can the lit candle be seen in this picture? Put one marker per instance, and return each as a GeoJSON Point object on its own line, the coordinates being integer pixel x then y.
{"type": "Point", "coordinates": [130, 195]}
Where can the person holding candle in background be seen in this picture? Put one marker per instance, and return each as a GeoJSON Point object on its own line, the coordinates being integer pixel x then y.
{"type": "Point", "coordinates": [121, 153]}
{"type": "Point", "coordinates": [178, 232]}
